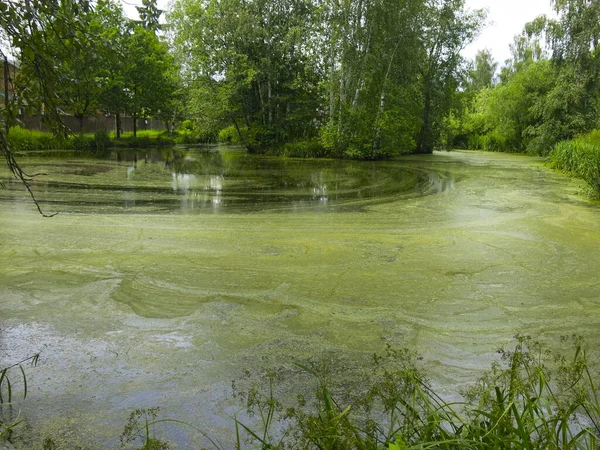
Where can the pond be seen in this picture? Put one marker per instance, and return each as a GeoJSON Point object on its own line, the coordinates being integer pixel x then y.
{"type": "Point", "coordinates": [167, 274]}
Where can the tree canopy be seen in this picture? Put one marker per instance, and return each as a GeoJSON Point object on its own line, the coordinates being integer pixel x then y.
{"type": "Point", "coordinates": [361, 78]}
{"type": "Point", "coordinates": [549, 91]}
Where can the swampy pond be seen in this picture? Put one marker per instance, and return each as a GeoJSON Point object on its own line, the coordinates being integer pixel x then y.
{"type": "Point", "coordinates": [166, 274]}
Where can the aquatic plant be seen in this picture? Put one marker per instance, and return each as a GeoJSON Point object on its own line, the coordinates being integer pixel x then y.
{"type": "Point", "coordinates": [7, 420]}
{"type": "Point", "coordinates": [532, 398]}
{"type": "Point", "coordinates": [140, 426]}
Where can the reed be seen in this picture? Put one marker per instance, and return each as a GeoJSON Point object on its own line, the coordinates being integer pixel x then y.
{"type": "Point", "coordinates": [8, 419]}
{"type": "Point", "coordinates": [533, 398]}
{"type": "Point", "coordinates": [580, 158]}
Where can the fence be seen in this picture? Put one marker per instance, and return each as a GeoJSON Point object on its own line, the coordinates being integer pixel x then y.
{"type": "Point", "coordinates": [93, 124]}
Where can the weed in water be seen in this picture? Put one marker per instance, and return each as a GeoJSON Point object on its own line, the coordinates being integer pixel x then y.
{"type": "Point", "coordinates": [8, 421]}
{"type": "Point", "coordinates": [140, 427]}
{"type": "Point", "coordinates": [532, 398]}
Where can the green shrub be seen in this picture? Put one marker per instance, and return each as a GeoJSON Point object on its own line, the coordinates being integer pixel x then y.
{"type": "Point", "coordinates": [145, 138]}
{"type": "Point", "coordinates": [305, 149]}
{"type": "Point", "coordinates": [581, 158]}
{"type": "Point", "coordinates": [592, 138]}
{"type": "Point", "coordinates": [185, 137]}
{"type": "Point", "coordinates": [101, 140]}
{"type": "Point", "coordinates": [187, 125]}
{"type": "Point", "coordinates": [475, 142]}
{"type": "Point", "coordinates": [494, 142]}
{"type": "Point", "coordinates": [81, 143]}
{"type": "Point", "coordinates": [229, 135]}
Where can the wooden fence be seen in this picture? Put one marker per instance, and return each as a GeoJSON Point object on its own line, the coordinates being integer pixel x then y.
{"type": "Point", "coordinates": [94, 124]}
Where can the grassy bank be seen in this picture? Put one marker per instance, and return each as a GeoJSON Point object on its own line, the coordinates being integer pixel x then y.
{"type": "Point", "coordinates": [308, 148]}
{"type": "Point", "coordinates": [27, 140]}
{"type": "Point", "coordinates": [532, 398]}
{"type": "Point", "coordinates": [581, 158]}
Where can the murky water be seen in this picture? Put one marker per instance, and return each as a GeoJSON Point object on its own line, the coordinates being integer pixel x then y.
{"type": "Point", "coordinates": [165, 275]}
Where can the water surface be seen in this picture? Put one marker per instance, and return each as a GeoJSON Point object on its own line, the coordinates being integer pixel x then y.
{"type": "Point", "coordinates": [166, 274]}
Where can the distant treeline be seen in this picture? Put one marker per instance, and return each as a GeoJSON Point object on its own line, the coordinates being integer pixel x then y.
{"type": "Point", "coordinates": [361, 79]}
{"type": "Point", "coordinates": [548, 92]}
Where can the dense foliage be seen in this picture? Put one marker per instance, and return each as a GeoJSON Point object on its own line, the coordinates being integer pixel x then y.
{"type": "Point", "coordinates": [83, 58]}
{"type": "Point", "coordinates": [549, 90]}
{"type": "Point", "coordinates": [351, 78]}
{"type": "Point", "coordinates": [580, 157]}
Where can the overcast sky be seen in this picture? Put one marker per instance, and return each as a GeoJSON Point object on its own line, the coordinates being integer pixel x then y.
{"type": "Point", "coordinates": [506, 17]}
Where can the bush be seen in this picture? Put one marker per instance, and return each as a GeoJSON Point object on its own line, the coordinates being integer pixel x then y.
{"type": "Point", "coordinates": [187, 125]}
{"type": "Point", "coordinates": [305, 149]}
{"type": "Point", "coordinates": [229, 135]}
{"type": "Point", "coordinates": [581, 158]}
{"type": "Point", "coordinates": [494, 142]}
{"type": "Point", "coordinates": [475, 142]}
{"type": "Point", "coordinates": [101, 140]}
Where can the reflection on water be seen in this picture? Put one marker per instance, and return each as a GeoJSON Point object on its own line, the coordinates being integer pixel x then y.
{"type": "Point", "coordinates": [195, 193]}
{"type": "Point", "coordinates": [213, 180]}
{"type": "Point", "coordinates": [183, 182]}
{"type": "Point", "coordinates": [440, 184]}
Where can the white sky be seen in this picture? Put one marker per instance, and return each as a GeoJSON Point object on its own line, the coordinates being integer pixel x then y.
{"type": "Point", "coordinates": [506, 19]}
{"type": "Point", "coordinates": [131, 12]}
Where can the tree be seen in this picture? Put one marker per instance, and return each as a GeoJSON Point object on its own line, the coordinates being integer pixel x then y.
{"type": "Point", "coordinates": [150, 78]}
{"type": "Point", "coordinates": [483, 71]}
{"type": "Point", "coordinates": [572, 106]}
{"type": "Point", "coordinates": [138, 74]}
{"type": "Point", "coordinates": [149, 15]}
{"type": "Point", "coordinates": [77, 63]}
{"type": "Point", "coordinates": [371, 49]}
{"type": "Point", "coordinates": [448, 28]}
{"type": "Point", "coordinates": [349, 72]}
{"type": "Point", "coordinates": [113, 32]}
{"type": "Point", "coordinates": [246, 65]}
{"type": "Point", "coordinates": [25, 26]}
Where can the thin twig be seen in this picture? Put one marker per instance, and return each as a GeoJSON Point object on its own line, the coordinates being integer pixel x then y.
{"type": "Point", "coordinates": [18, 172]}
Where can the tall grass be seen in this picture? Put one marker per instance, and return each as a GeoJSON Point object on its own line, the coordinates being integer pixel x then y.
{"type": "Point", "coordinates": [8, 421]}
{"type": "Point", "coordinates": [533, 398]}
{"type": "Point", "coordinates": [581, 158]}
{"type": "Point", "coordinates": [22, 140]}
